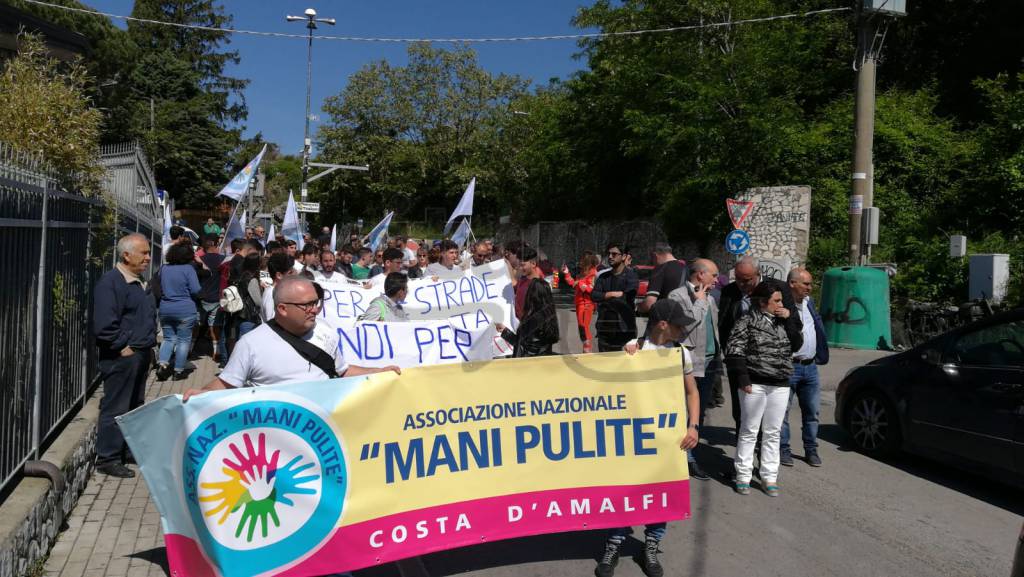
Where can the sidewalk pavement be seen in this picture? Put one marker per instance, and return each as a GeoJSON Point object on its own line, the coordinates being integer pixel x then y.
{"type": "Point", "coordinates": [114, 530]}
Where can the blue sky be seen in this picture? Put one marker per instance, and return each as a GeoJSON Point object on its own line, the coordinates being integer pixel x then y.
{"type": "Point", "coordinates": [276, 67]}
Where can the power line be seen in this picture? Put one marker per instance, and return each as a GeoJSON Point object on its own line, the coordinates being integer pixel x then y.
{"type": "Point", "coordinates": [581, 36]}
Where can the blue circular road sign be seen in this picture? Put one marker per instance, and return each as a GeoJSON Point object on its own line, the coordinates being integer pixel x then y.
{"type": "Point", "coordinates": [737, 242]}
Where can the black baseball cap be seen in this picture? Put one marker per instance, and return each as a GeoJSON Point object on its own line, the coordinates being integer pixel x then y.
{"type": "Point", "coordinates": [670, 311]}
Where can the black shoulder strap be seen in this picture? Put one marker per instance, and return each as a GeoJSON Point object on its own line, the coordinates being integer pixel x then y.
{"type": "Point", "coordinates": [306, 350]}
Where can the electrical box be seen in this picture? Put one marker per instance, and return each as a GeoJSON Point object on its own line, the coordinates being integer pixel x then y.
{"type": "Point", "coordinates": [869, 225]}
{"type": "Point", "coordinates": [989, 276]}
{"type": "Point", "coordinates": [957, 246]}
{"type": "Point", "coordinates": [889, 7]}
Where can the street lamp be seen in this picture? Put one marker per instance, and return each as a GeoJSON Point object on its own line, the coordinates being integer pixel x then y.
{"type": "Point", "coordinates": [311, 21]}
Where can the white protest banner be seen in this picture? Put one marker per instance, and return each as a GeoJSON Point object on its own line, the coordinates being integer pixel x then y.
{"type": "Point", "coordinates": [471, 299]}
{"type": "Point", "coordinates": [413, 344]}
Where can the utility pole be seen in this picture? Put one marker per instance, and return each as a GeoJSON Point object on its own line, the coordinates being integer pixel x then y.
{"type": "Point", "coordinates": [311, 22]}
{"type": "Point", "coordinates": [871, 27]}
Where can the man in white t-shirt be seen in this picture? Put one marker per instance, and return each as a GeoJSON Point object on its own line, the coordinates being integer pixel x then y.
{"type": "Point", "coordinates": [278, 266]}
{"type": "Point", "coordinates": [664, 329]}
{"type": "Point", "coordinates": [392, 262]}
{"type": "Point", "coordinates": [445, 266]}
{"type": "Point", "coordinates": [263, 357]}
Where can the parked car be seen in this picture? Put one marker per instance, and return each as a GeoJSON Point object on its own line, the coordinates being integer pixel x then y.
{"type": "Point", "coordinates": [958, 397]}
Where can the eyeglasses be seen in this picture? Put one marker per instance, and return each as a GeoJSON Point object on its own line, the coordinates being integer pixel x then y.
{"type": "Point", "coordinates": [309, 307]}
{"type": "Point", "coordinates": [613, 253]}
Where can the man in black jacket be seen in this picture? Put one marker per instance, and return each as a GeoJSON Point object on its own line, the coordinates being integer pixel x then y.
{"type": "Point", "coordinates": [615, 293]}
{"type": "Point", "coordinates": [735, 302]}
{"type": "Point", "coordinates": [124, 322]}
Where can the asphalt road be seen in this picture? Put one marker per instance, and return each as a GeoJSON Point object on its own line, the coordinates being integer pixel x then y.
{"type": "Point", "coordinates": [855, 516]}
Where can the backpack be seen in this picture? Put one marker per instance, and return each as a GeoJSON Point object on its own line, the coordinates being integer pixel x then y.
{"type": "Point", "coordinates": [231, 300]}
{"type": "Point", "coordinates": [249, 309]}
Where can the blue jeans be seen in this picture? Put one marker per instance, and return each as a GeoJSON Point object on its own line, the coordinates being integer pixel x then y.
{"type": "Point", "coordinates": [805, 386]}
{"type": "Point", "coordinates": [655, 530]}
{"type": "Point", "coordinates": [704, 386]}
{"type": "Point", "coordinates": [177, 339]}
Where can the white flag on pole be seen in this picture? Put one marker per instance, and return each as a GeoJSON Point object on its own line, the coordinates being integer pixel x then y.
{"type": "Point", "coordinates": [272, 235]}
{"type": "Point", "coordinates": [165, 242]}
{"type": "Point", "coordinates": [290, 228]}
{"type": "Point", "coordinates": [465, 206]}
{"type": "Point", "coordinates": [379, 232]}
{"type": "Point", "coordinates": [334, 238]}
{"type": "Point", "coordinates": [461, 234]}
{"type": "Point", "coordinates": [233, 229]}
{"type": "Point", "coordinates": [239, 185]}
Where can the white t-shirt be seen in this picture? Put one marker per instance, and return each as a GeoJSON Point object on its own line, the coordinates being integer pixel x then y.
{"type": "Point", "coordinates": [262, 358]}
{"type": "Point", "coordinates": [438, 269]}
{"type": "Point", "coordinates": [687, 359]}
{"type": "Point", "coordinates": [267, 306]}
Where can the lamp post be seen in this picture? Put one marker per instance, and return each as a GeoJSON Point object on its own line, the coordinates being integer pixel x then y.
{"type": "Point", "coordinates": [311, 22]}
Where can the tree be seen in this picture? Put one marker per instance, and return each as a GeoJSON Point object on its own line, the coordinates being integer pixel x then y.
{"type": "Point", "coordinates": [425, 129]}
{"type": "Point", "coordinates": [44, 110]}
{"type": "Point", "coordinates": [181, 104]}
{"type": "Point", "coordinates": [685, 119]}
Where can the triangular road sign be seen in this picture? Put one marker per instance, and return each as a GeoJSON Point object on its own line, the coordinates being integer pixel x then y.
{"type": "Point", "coordinates": [738, 211]}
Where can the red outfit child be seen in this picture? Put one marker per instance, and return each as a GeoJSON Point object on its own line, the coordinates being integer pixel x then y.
{"type": "Point", "coordinates": [584, 305]}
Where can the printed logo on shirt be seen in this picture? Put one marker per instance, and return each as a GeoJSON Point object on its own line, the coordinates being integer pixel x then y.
{"type": "Point", "coordinates": [264, 479]}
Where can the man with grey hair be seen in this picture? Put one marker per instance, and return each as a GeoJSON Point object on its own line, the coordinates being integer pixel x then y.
{"type": "Point", "coordinates": [124, 323]}
{"type": "Point", "coordinates": [701, 337]}
{"type": "Point", "coordinates": [804, 383]}
{"type": "Point", "coordinates": [735, 302]}
{"type": "Point", "coordinates": [290, 348]}
{"type": "Point", "coordinates": [669, 274]}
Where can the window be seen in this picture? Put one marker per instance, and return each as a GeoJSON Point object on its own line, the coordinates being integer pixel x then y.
{"type": "Point", "coordinates": [995, 346]}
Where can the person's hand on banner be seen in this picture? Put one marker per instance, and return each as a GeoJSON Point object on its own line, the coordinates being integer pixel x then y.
{"type": "Point", "coordinates": [631, 347]}
{"type": "Point", "coordinates": [354, 371]}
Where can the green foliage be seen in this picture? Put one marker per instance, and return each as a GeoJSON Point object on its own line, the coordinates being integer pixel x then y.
{"type": "Point", "coordinates": [44, 110]}
{"type": "Point", "coordinates": [694, 117]}
{"type": "Point", "coordinates": [196, 107]}
{"type": "Point", "coordinates": [425, 129]}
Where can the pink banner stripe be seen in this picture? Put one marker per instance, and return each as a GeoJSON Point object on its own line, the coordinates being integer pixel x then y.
{"type": "Point", "coordinates": [352, 547]}
{"type": "Point", "coordinates": [185, 558]}
{"type": "Point", "coordinates": [444, 527]}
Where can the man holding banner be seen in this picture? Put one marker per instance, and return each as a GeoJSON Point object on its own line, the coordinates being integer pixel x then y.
{"type": "Point", "coordinates": [288, 349]}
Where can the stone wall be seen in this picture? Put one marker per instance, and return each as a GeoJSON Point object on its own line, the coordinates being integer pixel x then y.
{"type": "Point", "coordinates": [34, 513]}
{"type": "Point", "coordinates": [779, 225]}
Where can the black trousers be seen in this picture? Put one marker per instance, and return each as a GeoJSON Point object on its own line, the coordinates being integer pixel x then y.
{"type": "Point", "coordinates": [124, 389]}
{"type": "Point", "coordinates": [613, 342]}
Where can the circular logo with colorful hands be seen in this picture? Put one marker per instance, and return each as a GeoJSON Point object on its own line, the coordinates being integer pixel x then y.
{"type": "Point", "coordinates": [266, 480]}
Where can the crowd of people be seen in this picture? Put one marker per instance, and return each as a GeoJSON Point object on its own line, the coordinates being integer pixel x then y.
{"type": "Point", "coordinates": [258, 307]}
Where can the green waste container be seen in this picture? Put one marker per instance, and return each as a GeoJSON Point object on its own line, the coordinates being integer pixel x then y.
{"type": "Point", "coordinates": [855, 308]}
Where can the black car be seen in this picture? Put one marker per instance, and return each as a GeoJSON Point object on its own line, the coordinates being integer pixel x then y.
{"type": "Point", "coordinates": [957, 397]}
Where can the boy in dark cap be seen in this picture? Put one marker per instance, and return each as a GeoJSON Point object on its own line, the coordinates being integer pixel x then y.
{"type": "Point", "coordinates": [664, 330]}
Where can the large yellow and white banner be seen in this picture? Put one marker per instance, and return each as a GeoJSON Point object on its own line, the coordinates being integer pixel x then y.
{"type": "Point", "coordinates": [337, 475]}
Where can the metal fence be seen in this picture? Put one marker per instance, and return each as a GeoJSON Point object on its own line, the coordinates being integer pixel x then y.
{"type": "Point", "coordinates": [48, 236]}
